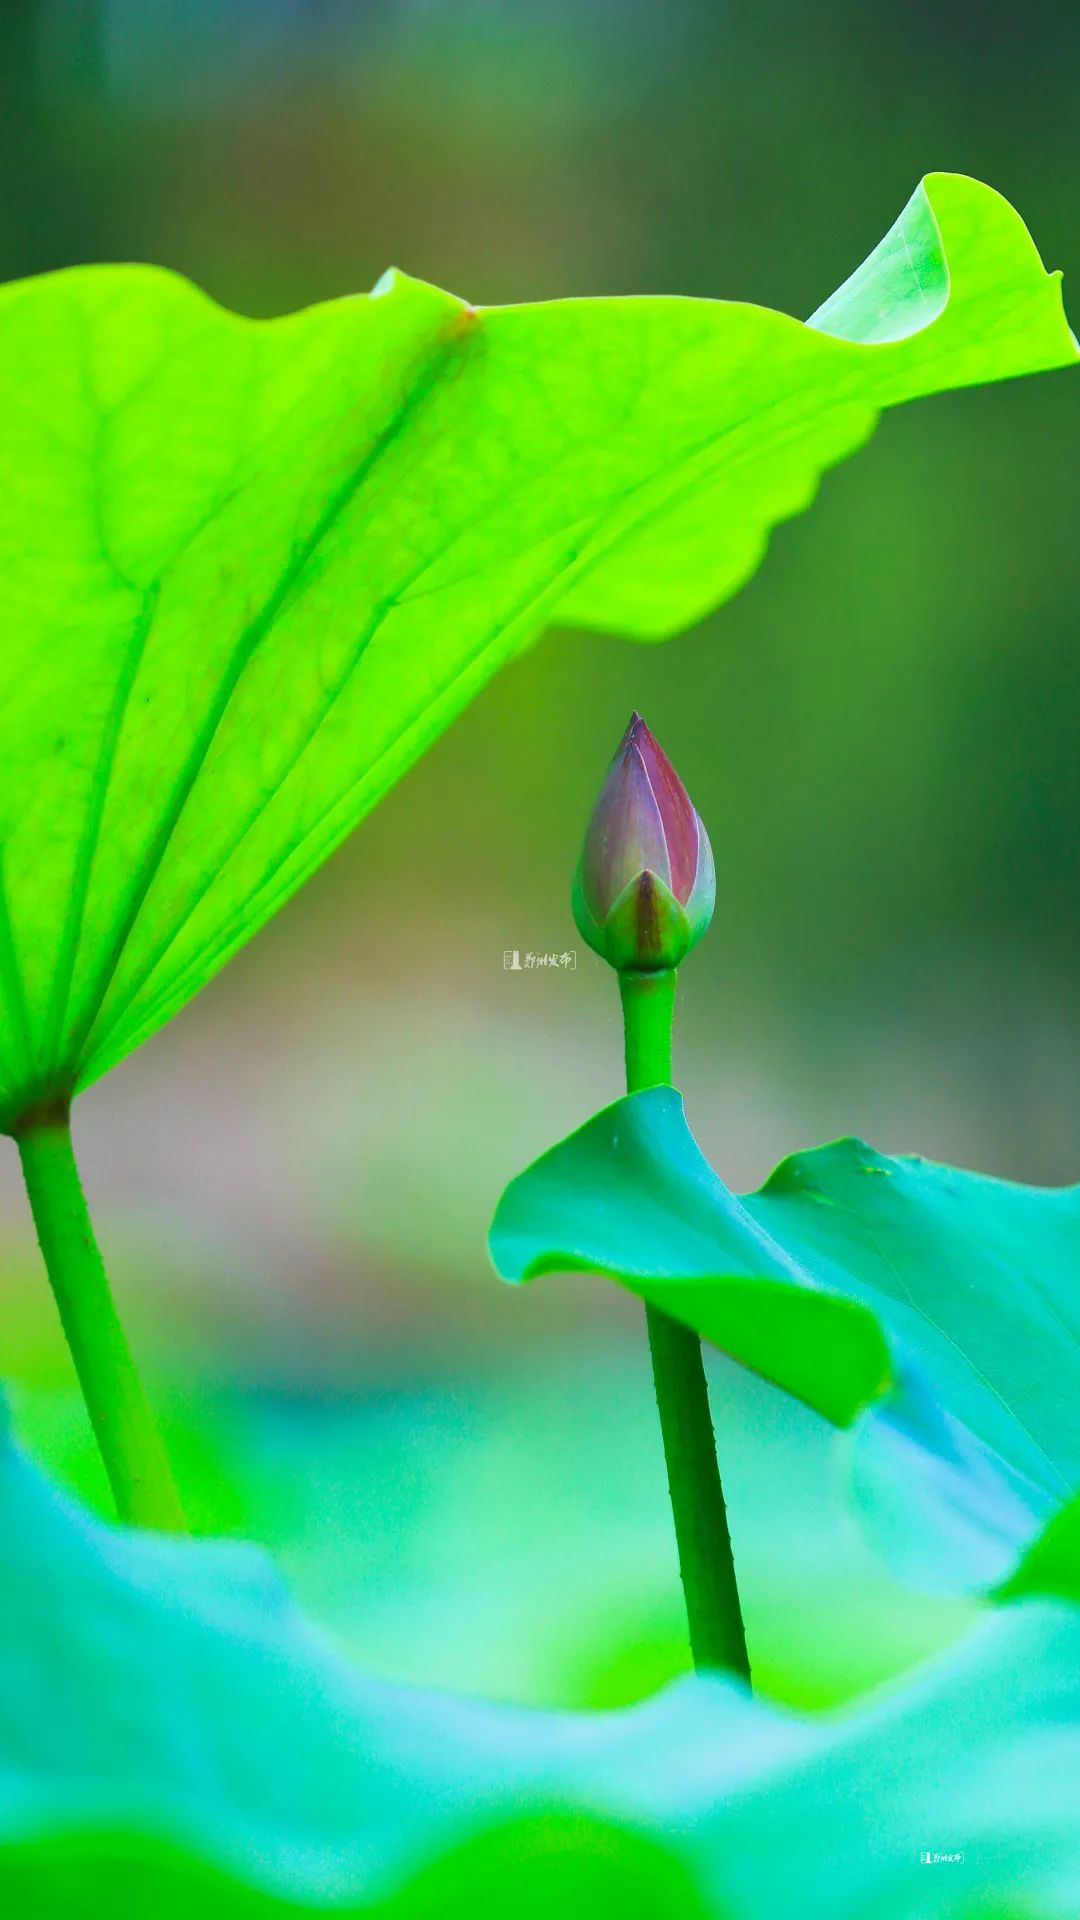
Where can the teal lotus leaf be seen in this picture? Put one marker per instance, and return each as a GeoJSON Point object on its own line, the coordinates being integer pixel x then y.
{"type": "Point", "coordinates": [935, 1311]}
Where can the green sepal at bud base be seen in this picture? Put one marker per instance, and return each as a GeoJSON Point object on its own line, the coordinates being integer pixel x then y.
{"type": "Point", "coordinates": [646, 929]}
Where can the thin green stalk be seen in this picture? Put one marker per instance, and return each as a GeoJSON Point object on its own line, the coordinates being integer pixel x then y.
{"type": "Point", "coordinates": [131, 1446]}
{"type": "Point", "coordinates": [717, 1635]}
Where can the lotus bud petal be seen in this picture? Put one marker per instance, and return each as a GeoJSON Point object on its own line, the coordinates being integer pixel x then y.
{"type": "Point", "coordinates": [645, 885]}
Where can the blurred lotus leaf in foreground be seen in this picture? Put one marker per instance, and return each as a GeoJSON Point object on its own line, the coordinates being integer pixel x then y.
{"type": "Point", "coordinates": [172, 1731]}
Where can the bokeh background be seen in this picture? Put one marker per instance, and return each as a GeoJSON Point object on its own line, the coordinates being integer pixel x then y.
{"type": "Point", "coordinates": [293, 1181]}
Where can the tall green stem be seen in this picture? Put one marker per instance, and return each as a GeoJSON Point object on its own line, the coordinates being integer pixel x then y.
{"type": "Point", "coordinates": [131, 1446]}
{"type": "Point", "coordinates": [717, 1635]}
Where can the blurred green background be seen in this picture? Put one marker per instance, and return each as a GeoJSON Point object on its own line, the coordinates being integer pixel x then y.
{"type": "Point", "coordinates": [293, 1181]}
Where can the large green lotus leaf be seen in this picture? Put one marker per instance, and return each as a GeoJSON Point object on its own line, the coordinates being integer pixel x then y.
{"type": "Point", "coordinates": [250, 570]}
{"type": "Point", "coordinates": [174, 1738]}
{"type": "Point", "coordinates": [941, 1306]}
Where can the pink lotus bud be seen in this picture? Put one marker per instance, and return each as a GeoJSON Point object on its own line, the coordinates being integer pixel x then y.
{"type": "Point", "coordinates": [645, 886]}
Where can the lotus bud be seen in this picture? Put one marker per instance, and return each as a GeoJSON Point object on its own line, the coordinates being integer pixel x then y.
{"type": "Point", "coordinates": [645, 886]}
